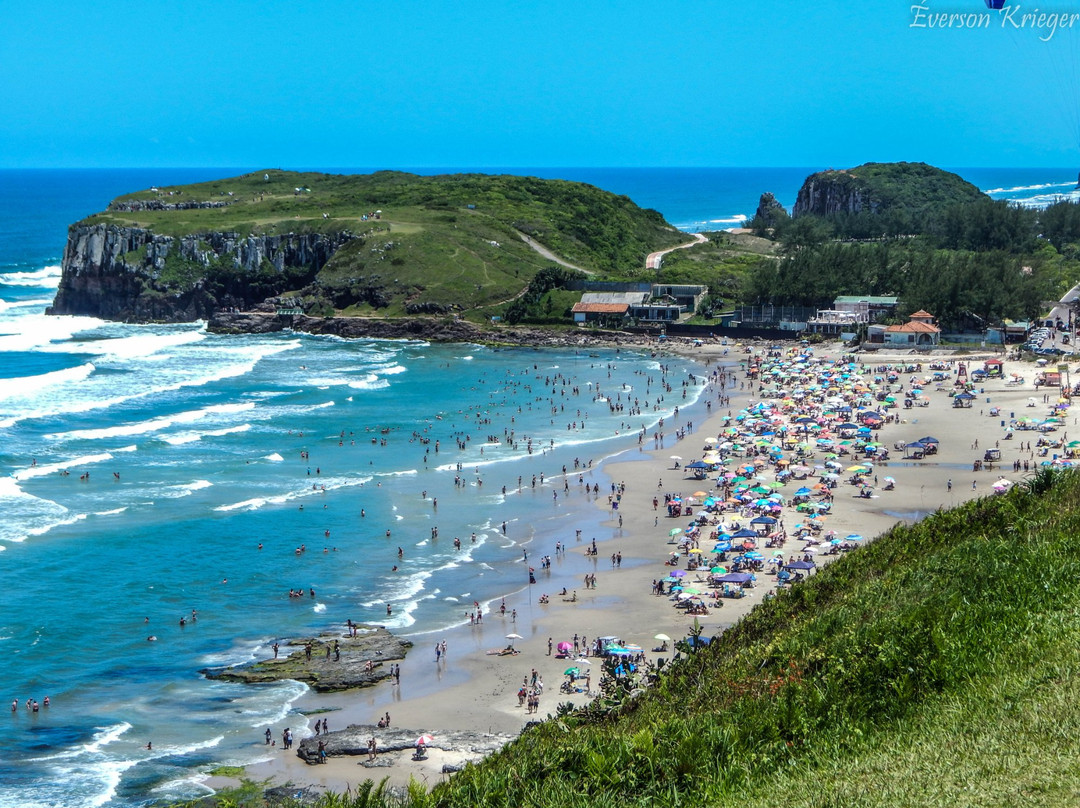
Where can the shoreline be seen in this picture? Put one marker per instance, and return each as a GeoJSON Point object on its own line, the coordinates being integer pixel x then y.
{"type": "Point", "coordinates": [467, 689]}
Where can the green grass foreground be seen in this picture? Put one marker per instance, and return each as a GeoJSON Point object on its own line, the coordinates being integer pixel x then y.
{"type": "Point", "coordinates": [937, 666]}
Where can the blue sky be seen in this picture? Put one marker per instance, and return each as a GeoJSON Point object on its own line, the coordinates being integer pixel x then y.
{"type": "Point", "coordinates": [464, 83]}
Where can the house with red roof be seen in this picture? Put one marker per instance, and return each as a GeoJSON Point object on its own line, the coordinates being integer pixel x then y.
{"type": "Point", "coordinates": [918, 332]}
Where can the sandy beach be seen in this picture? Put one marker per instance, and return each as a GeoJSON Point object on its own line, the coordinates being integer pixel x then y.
{"type": "Point", "coordinates": [469, 689]}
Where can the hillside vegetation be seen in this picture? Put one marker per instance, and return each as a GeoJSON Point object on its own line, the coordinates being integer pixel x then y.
{"type": "Point", "coordinates": [937, 666]}
{"type": "Point", "coordinates": [451, 242]}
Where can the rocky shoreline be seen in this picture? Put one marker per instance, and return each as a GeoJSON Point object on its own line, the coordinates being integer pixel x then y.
{"type": "Point", "coordinates": [359, 661]}
{"type": "Point", "coordinates": [468, 747]}
{"type": "Point", "coordinates": [425, 328]}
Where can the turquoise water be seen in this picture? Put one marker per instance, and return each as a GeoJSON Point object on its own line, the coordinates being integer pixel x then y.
{"type": "Point", "coordinates": [190, 445]}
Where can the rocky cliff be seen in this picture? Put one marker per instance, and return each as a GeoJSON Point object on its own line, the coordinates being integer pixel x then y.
{"type": "Point", "coordinates": [133, 274]}
{"type": "Point", "coordinates": [831, 192]}
{"type": "Point", "coordinates": [917, 190]}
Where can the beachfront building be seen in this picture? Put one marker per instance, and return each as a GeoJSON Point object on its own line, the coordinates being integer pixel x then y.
{"type": "Point", "coordinates": [834, 322]}
{"type": "Point", "coordinates": [867, 308]}
{"type": "Point", "coordinates": [599, 312]}
{"type": "Point", "coordinates": [656, 303]}
{"type": "Point", "coordinates": [918, 332]}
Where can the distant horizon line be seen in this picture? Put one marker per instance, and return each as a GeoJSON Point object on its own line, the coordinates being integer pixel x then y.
{"type": "Point", "coordinates": [1075, 167]}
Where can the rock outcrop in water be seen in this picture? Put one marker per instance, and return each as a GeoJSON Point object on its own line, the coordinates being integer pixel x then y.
{"type": "Point", "coordinates": [361, 662]}
{"type": "Point", "coordinates": [133, 274]}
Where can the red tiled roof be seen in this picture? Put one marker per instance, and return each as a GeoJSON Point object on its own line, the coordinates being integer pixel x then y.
{"type": "Point", "coordinates": [914, 327]}
{"type": "Point", "coordinates": [922, 313]}
{"type": "Point", "coordinates": [601, 308]}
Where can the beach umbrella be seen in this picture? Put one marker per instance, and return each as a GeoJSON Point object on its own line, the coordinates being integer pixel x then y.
{"type": "Point", "coordinates": [571, 672]}
{"type": "Point", "coordinates": [675, 531]}
{"type": "Point", "coordinates": [662, 637]}
{"type": "Point", "coordinates": [676, 457]}
{"type": "Point", "coordinates": [677, 573]}
{"type": "Point", "coordinates": [565, 646]}
{"type": "Point", "coordinates": [425, 740]}
{"type": "Point", "coordinates": [700, 494]}
{"type": "Point", "coordinates": [514, 637]}
{"type": "Point", "coordinates": [718, 570]}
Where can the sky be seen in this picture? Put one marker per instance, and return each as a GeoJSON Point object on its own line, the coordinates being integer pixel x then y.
{"type": "Point", "coordinates": [412, 83]}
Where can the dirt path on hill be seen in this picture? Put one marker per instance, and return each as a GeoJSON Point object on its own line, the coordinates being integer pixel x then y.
{"type": "Point", "coordinates": [653, 260]}
{"type": "Point", "coordinates": [549, 255]}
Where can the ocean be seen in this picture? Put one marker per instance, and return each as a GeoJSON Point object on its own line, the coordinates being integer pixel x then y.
{"type": "Point", "coordinates": [143, 465]}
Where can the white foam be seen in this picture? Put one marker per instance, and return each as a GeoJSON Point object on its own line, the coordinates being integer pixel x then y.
{"type": "Point", "coordinates": [370, 382]}
{"type": "Point", "coordinates": [1040, 187]}
{"type": "Point", "coordinates": [393, 371]}
{"type": "Point", "coordinates": [140, 345]}
{"type": "Point", "coordinates": [38, 302]}
{"type": "Point", "coordinates": [181, 438]}
{"type": "Point", "coordinates": [55, 468]}
{"type": "Point", "coordinates": [153, 425]}
{"type": "Point", "coordinates": [36, 331]}
{"type": "Point", "coordinates": [45, 278]}
{"type": "Point", "coordinates": [26, 385]}
{"type": "Point", "coordinates": [319, 608]}
{"type": "Point", "coordinates": [275, 457]}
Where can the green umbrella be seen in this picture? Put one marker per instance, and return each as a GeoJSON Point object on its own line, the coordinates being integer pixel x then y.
{"type": "Point", "coordinates": [675, 531]}
{"type": "Point", "coordinates": [571, 671]}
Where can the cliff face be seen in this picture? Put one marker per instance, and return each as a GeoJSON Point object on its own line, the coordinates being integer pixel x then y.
{"type": "Point", "coordinates": [831, 192]}
{"type": "Point", "coordinates": [133, 274]}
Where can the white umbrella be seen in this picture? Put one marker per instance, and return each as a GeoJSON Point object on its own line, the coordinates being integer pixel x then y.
{"type": "Point", "coordinates": [514, 637]}
{"type": "Point", "coordinates": [663, 637]}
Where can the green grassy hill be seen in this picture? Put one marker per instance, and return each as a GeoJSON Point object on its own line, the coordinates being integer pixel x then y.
{"type": "Point", "coordinates": [937, 666]}
{"type": "Point", "coordinates": [435, 243]}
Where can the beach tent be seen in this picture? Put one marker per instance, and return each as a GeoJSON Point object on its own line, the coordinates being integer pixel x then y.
{"type": "Point", "coordinates": [735, 578]}
{"type": "Point", "coordinates": [800, 565]}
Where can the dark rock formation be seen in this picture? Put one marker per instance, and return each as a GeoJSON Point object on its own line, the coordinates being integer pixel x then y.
{"type": "Point", "coordinates": [353, 740]}
{"type": "Point", "coordinates": [157, 204]}
{"type": "Point", "coordinates": [425, 328]}
{"type": "Point", "coordinates": [132, 274]}
{"type": "Point", "coordinates": [830, 192]}
{"type": "Point", "coordinates": [769, 211]}
{"type": "Point", "coordinates": [325, 673]}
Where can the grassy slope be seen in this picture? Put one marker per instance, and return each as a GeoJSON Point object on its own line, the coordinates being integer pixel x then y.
{"type": "Point", "coordinates": [440, 248]}
{"type": "Point", "coordinates": [935, 666]}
